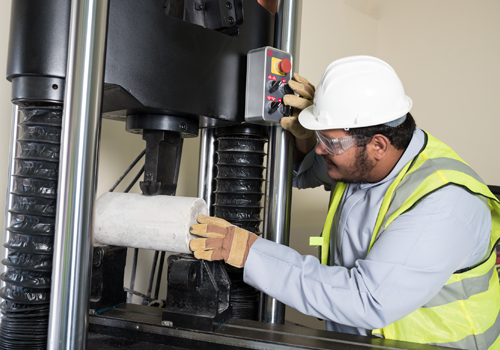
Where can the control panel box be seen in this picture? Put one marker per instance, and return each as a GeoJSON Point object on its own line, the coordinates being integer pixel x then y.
{"type": "Point", "coordinates": [268, 72]}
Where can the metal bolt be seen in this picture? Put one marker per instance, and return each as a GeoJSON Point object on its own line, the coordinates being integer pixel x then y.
{"type": "Point", "coordinates": [183, 126]}
{"type": "Point", "coordinates": [55, 87]}
{"type": "Point", "coordinates": [98, 255]}
{"type": "Point", "coordinates": [229, 6]}
{"type": "Point", "coordinates": [167, 323]}
{"type": "Point", "coordinates": [148, 174]}
{"type": "Point", "coordinates": [231, 20]}
{"type": "Point", "coordinates": [91, 312]}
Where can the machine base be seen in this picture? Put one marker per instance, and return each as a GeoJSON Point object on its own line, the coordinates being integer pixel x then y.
{"type": "Point", "coordinates": [139, 327]}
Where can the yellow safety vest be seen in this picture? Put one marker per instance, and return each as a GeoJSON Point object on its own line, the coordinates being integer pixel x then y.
{"type": "Point", "coordinates": [465, 314]}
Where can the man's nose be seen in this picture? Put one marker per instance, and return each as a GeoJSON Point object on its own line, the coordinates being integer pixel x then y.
{"type": "Point", "coordinates": [320, 149]}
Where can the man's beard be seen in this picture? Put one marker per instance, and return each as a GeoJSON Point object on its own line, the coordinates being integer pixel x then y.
{"type": "Point", "coordinates": [361, 168]}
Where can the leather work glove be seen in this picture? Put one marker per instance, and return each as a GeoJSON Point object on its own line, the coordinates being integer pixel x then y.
{"type": "Point", "coordinates": [305, 91]}
{"type": "Point", "coordinates": [223, 241]}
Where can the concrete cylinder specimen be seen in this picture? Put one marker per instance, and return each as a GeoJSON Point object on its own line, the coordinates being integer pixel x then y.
{"type": "Point", "coordinates": [147, 222]}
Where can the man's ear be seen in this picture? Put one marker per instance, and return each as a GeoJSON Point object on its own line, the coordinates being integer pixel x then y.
{"type": "Point", "coordinates": [379, 146]}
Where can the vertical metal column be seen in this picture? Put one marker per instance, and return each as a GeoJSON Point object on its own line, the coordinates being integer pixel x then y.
{"type": "Point", "coordinates": [280, 161]}
{"type": "Point", "coordinates": [287, 31]}
{"type": "Point", "coordinates": [206, 171]}
{"type": "Point", "coordinates": [278, 204]}
{"type": "Point", "coordinates": [77, 172]}
{"type": "Point", "coordinates": [14, 131]}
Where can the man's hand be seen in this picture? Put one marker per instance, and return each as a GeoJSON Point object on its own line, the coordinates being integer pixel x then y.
{"type": "Point", "coordinates": [223, 241]}
{"type": "Point", "coordinates": [305, 91]}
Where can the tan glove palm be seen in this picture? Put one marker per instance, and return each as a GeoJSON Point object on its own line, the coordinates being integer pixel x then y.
{"type": "Point", "coordinates": [223, 241]}
{"type": "Point", "coordinates": [305, 91]}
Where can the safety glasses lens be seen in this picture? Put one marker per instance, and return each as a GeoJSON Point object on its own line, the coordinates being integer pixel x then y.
{"type": "Point", "coordinates": [336, 146]}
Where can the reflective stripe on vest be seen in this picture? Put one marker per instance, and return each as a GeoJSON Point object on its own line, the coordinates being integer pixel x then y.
{"type": "Point", "coordinates": [465, 313]}
{"type": "Point", "coordinates": [324, 240]}
{"type": "Point", "coordinates": [462, 321]}
{"type": "Point", "coordinates": [462, 290]}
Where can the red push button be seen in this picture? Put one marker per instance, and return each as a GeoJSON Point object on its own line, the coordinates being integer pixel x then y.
{"type": "Point", "coordinates": [285, 65]}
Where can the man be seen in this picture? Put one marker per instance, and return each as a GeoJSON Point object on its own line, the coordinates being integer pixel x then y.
{"type": "Point", "coordinates": [411, 228]}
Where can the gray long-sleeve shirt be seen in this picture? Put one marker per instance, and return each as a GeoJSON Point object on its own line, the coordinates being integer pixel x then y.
{"type": "Point", "coordinates": [406, 267]}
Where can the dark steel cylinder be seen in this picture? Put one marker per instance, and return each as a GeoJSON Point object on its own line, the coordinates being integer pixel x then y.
{"type": "Point", "coordinates": [38, 41]}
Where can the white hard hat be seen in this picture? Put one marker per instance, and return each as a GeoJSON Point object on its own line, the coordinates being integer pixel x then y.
{"type": "Point", "coordinates": [355, 92]}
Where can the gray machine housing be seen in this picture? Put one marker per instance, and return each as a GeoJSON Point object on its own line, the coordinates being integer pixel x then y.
{"type": "Point", "coordinates": [265, 86]}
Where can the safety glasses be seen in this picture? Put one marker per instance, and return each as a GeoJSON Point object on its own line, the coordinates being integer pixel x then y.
{"type": "Point", "coordinates": [336, 146]}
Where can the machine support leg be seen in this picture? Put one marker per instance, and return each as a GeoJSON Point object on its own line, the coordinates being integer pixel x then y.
{"type": "Point", "coordinates": [280, 160]}
{"type": "Point", "coordinates": [79, 146]}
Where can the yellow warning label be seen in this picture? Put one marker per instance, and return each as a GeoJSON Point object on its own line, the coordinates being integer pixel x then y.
{"type": "Point", "coordinates": [274, 66]}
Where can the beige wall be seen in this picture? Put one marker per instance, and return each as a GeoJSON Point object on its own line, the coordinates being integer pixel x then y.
{"type": "Point", "coordinates": [450, 68]}
{"type": "Point", "coordinates": [445, 51]}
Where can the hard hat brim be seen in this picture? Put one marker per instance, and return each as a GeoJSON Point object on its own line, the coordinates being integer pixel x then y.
{"type": "Point", "coordinates": [309, 121]}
